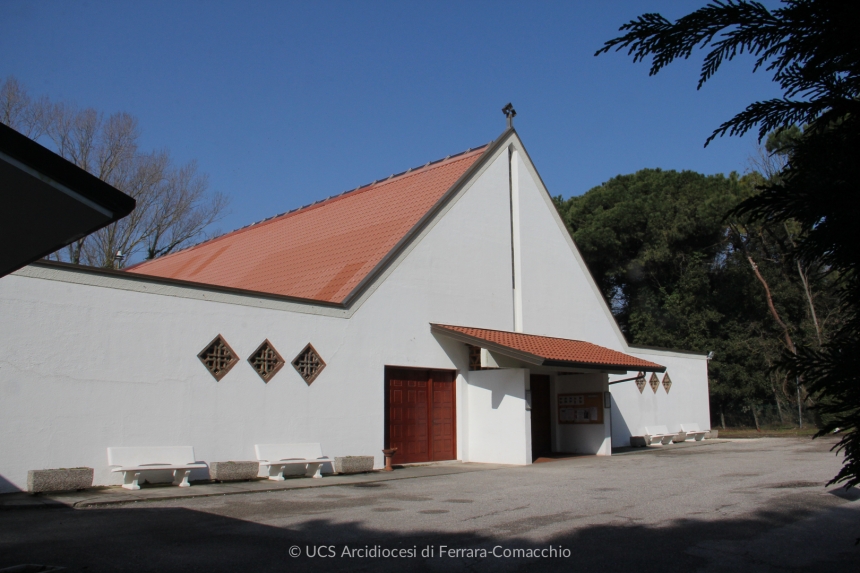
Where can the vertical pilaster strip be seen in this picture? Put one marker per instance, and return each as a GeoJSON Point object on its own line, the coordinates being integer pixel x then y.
{"type": "Point", "coordinates": [516, 247]}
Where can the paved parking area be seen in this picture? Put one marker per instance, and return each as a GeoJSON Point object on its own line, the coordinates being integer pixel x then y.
{"type": "Point", "coordinates": [745, 505]}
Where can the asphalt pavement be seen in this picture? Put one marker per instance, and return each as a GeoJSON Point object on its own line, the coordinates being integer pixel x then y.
{"type": "Point", "coordinates": [741, 505]}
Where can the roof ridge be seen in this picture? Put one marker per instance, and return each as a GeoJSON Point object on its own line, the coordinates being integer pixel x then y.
{"type": "Point", "coordinates": [411, 171]}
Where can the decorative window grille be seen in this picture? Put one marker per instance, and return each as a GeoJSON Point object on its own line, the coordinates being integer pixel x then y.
{"type": "Point", "coordinates": [474, 357]}
{"type": "Point", "coordinates": [654, 382]}
{"type": "Point", "coordinates": [266, 361]}
{"type": "Point", "coordinates": [667, 382]}
{"type": "Point", "coordinates": [308, 364]}
{"type": "Point", "coordinates": [218, 357]}
{"type": "Point", "coordinates": [640, 381]}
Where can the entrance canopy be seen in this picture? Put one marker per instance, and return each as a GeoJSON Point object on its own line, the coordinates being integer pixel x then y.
{"type": "Point", "coordinates": [48, 202]}
{"type": "Point", "coordinates": [546, 350]}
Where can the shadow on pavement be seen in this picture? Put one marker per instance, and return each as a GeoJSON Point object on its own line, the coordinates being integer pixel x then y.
{"type": "Point", "coordinates": [789, 537]}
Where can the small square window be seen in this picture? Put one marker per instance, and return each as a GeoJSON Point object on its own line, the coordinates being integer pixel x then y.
{"type": "Point", "coordinates": [218, 357]}
{"type": "Point", "coordinates": [308, 364]}
{"type": "Point", "coordinates": [266, 361]}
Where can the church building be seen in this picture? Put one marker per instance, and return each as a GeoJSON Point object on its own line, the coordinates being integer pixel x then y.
{"type": "Point", "coordinates": [444, 311]}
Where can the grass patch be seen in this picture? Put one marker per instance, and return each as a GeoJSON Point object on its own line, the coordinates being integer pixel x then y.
{"type": "Point", "coordinates": [768, 432]}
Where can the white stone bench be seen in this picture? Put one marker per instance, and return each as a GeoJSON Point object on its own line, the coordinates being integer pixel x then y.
{"type": "Point", "coordinates": [644, 439]}
{"type": "Point", "coordinates": [690, 431]}
{"type": "Point", "coordinates": [658, 435]}
{"type": "Point", "coordinates": [276, 457]}
{"type": "Point", "coordinates": [133, 461]}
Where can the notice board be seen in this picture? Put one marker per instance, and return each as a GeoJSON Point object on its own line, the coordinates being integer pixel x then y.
{"type": "Point", "coordinates": [580, 408]}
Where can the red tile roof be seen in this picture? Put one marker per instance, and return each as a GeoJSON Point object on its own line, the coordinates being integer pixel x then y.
{"type": "Point", "coordinates": [548, 351]}
{"type": "Point", "coordinates": [323, 251]}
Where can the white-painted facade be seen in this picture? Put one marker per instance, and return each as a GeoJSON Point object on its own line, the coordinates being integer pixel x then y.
{"type": "Point", "coordinates": [90, 359]}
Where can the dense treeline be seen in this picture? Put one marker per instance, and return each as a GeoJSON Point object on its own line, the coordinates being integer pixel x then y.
{"type": "Point", "coordinates": [811, 49]}
{"type": "Point", "coordinates": [678, 273]}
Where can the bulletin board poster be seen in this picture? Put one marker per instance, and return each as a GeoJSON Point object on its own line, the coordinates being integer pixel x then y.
{"type": "Point", "coordinates": [580, 408]}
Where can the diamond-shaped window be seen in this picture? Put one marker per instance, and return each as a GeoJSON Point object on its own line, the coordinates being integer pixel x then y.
{"type": "Point", "coordinates": [218, 357]}
{"type": "Point", "coordinates": [474, 357]}
{"type": "Point", "coordinates": [308, 364]}
{"type": "Point", "coordinates": [640, 381]}
{"type": "Point", "coordinates": [667, 382]}
{"type": "Point", "coordinates": [654, 382]}
{"type": "Point", "coordinates": [266, 361]}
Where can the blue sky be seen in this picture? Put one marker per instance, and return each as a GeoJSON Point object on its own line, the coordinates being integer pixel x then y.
{"type": "Point", "coordinates": [285, 103]}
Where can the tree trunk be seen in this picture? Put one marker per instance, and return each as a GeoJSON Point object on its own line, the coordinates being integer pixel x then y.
{"type": "Point", "coordinates": [755, 417]}
{"type": "Point", "coordinates": [778, 403]}
{"type": "Point", "coordinates": [75, 251]}
{"type": "Point", "coordinates": [805, 281]}
{"type": "Point", "coordinates": [799, 405]}
{"type": "Point", "coordinates": [722, 418]}
{"type": "Point", "coordinates": [772, 308]}
{"type": "Point", "coordinates": [785, 332]}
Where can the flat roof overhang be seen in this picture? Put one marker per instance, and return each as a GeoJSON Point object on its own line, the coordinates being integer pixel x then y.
{"type": "Point", "coordinates": [561, 352]}
{"type": "Point", "coordinates": [48, 202]}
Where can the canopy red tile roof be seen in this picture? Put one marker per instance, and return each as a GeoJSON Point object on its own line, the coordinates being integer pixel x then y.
{"type": "Point", "coordinates": [546, 350]}
{"type": "Point", "coordinates": [323, 251]}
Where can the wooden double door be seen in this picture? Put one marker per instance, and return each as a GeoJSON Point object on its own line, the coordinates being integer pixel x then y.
{"type": "Point", "coordinates": [420, 414]}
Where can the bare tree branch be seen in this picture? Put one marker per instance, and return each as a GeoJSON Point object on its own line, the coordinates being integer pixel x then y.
{"type": "Point", "coordinates": [174, 204]}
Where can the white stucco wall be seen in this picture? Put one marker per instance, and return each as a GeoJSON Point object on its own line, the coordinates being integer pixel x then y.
{"type": "Point", "coordinates": [686, 402]}
{"type": "Point", "coordinates": [499, 425]}
{"type": "Point", "coordinates": [558, 294]}
{"type": "Point", "coordinates": [84, 368]}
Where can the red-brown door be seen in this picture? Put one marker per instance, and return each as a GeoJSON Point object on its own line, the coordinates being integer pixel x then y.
{"type": "Point", "coordinates": [407, 414]}
{"type": "Point", "coordinates": [442, 423]}
{"type": "Point", "coordinates": [420, 416]}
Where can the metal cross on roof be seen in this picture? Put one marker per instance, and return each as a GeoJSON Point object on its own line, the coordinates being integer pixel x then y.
{"type": "Point", "coordinates": [509, 112]}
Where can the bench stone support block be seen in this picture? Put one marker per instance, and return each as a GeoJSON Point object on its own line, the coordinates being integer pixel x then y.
{"type": "Point", "coordinates": [276, 473]}
{"type": "Point", "coordinates": [313, 471]}
{"type": "Point", "coordinates": [233, 471]}
{"type": "Point", "coordinates": [61, 479]}
{"type": "Point", "coordinates": [180, 478]}
{"type": "Point", "coordinates": [130, 480]}
{"type": "Point", "coordinates": [353, 464]}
